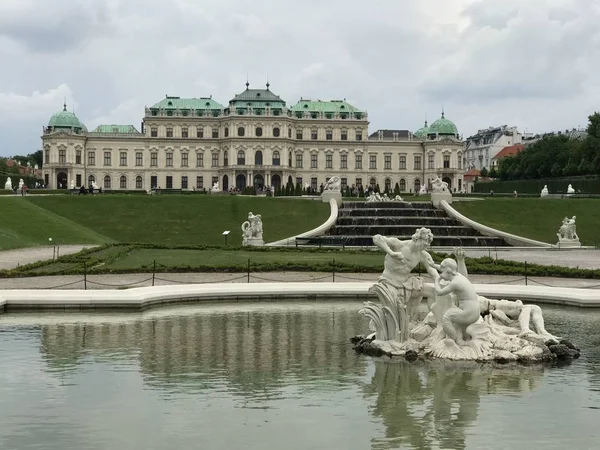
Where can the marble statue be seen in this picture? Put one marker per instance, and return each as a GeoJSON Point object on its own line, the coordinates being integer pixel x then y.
{"type": "Point", "coordinates": [333, 184]}
{"type": "Point", "coordinates": [397, 198]}
{"type": "Point", "coordinates": [567, 233]}
{"type": "Point", "coordinates": [8, 184]}
{"type": "Point", "coordinates": [438, 186]}
{"type": "Point", "coordinates": [459, 324]}
{"type": "Point", "coordinates": [215, 187]}
{"type": "Point", "coordinates": [94, 185]}
{"type": "Point", "coordinates": [570, 190]}
{"type": "Point", "coordinates": [21, 183]}
{"type": "Point", "coordinates": [252, 230]}
{"type": "Point", "coordinates": [72, 184]}
{"type": "Point", "coordinates": [423, 190]}
{"type": "Point", "coordinates": [544, 192]}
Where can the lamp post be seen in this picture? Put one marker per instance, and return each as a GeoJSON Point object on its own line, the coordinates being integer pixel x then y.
{"type": "Point", "coordinates": [53, 248]}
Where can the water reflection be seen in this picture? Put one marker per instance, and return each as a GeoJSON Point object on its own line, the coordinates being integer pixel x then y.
{"type": "Point", "coordinates": [433, 405]}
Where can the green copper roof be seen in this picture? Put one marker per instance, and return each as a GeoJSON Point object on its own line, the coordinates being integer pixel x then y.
{"type": "Point", "coordinates": [65, 119]}
{"type": "Point", "coordinates": [333, 106]}
{"type": "Point", "coordinates": [258, 98]}
{"type": "Point", "coordinates": [443, 126]}
{"type": "Point", "coordinates": [187, 103]}
{"type": "Point", "coordinates": [120, 129]}
{"type": "Point", "coordinates": [422, 132]}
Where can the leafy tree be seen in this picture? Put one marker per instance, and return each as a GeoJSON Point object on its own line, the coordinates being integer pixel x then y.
{"type": "Point", "coordinates": [493, 173]}
{"type": "Point", "coordinates": [484, 172]}
{"type": "Point", "coordinates": [593, 128]}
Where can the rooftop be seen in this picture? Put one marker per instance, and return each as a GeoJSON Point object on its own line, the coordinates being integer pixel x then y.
{"type": "Point", "coordinates": [509, 151]}
{"type": "Point", "coordinates": [187, 103]}
{"type": "Point", "coordinates": [116, 129]}
{"type": "Point", "coordinates": [331, 106]}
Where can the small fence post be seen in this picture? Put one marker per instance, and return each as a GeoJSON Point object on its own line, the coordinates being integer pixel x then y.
{"type": "Point", "coordinates": [333, 269]}
{"type": "Point", "coordinates": [85, 275]}
{"type": "Point", "coordinates": [153, 272]}
{"type": "Point", "coordinates": [57, 250]}
{"type": "Point", "coordinates": [525, 273]}
{"type": "Point", "coordinates": [248, 270]}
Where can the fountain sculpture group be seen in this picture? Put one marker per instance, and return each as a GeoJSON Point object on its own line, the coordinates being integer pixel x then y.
{"type": "Point", "coordinates": [567, 233]}
{"type": "Point", "coordinates": [459, 324]}
{"type": "Point", "coordinates": [252, 230]}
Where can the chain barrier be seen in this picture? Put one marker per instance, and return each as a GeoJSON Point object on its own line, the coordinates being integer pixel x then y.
{"type": "Point", "coordinates": [63, 285]}
{"type": "Point", "coordinates": [119, 285]}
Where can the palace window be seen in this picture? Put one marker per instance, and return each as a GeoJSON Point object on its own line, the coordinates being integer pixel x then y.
{"type": "Point", "coordinates": [276, 132]}
{"type": "Point", "coordinates": [226, 131]}
{"type": "Point", "coordinates": [139, 182]}
{"type": "Point", "coordinates": [313, 183]}
{"type": "Point", "coordinates": [373, 183]}
{"type": "Point", "coordinates": [153, 181]}
{"type": "Point", "coordinates": [153, 132]}
{"type": "Point", "coordinates": [91, 158]}
{"type": "Point", "coordinates": [107, 182]}
{"type": "Point", "coordinates": [91, 180]}
{"type": "Point", "coordinates": [313, 134]}
{"type": "Point", "coordinates": [258, 158]}
{"type": "Point", "coordinates": [387, 162]}
{"type": "Point", "coordinates": [184, 182]}
{"type": "Point", "coordinates": [459, 162]}
{"type": "Point", "coordinates": [78, 158]}
{"type": "Point", "coordinates": [184, 159]}
{"type": "Point", "coordinates": [215, 180]}
{"type": "Point", "coordinates": [199, 182]}
{"type": "Point", "coordinates": [169, 132]}
{"type": "Point", "coordinates": [289, 159]}
{"type": "Point", "coordinates": [446, 161]}
{"type": "Point", "coordinates": [358, 162]}
{"type": "Point", "coordinates": [153, 159]}
{"type": "Point", "coordinates": [123, 182]}
{"type": "Point", "coordinates": [313, 162]}
{"type": "Point", "coordinates": [46, 156]}
{"type": "Point", "coordinates": [62, 156]}
{"type": "Point", "coordinates": [123, 158]}
{"type": "Point", "coordinates": [299, 133]}
{"type": "Point", "coordinates": [388, 185]}
{"type": "Point", "coordinates": [107, 159]}
{"type": "Point", "coordinates": [169, 182]}
{"type": "Point", "coordinates": [241, 158]}
{"type": "Point", "coordinates": [372, 161]}
{"type": "Point", "coordinates": [169, 159]}
{"type": "Point", "coordinates": [139, 159]}
{"type": "Point", "coordinates": [276, 160]}
{"type": "Point", "coordinates": [344, 135]}
{"type": "Point", "coordinates": [358, 182]}
{"type": "Point", "coordinates": [225, 158]}
{"type": "Point", "coordinates": [343, 161]}
{"type": "Point", "coordinates": [78, 180]}
{"type": "Point", "coordinates": [430, 162]}
{"type": "Point", "coordinates": [184, 132]}
{"type": "Point", "coordinates": [215, 160]}
{"type": "Point", "coordinates": [259, 132]}
{"type": "Point", "coordinates": [329, 161]}
{"type": "Point", "coordinates": [299, 160]}
{"type": "Point", "coordinates": [199, 132]}
{"type": "Point", "coordinates": [242, 131]}
{"type": "Point", "coordinates": [402, 185]}
{"type": "Point", "coordinates": [359, 135]}
{"type": "Point", "coordinates": [417, 185]}
{"type": "Point", "coordinates": [328, 135]}
{"type": "Point", "coordinates": [199, 159]}
{"type": "Point", "coordinates": [402, 162]}
{"type": "Point", "coordinates": [215, 133]}
{"type": "Point", "coordinates": [417, 163]}
{"type": "Point", "coordinates": [344, 183]}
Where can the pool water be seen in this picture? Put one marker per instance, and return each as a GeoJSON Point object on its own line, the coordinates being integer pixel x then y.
{"type": "Point", "coordinates": [269, 375]}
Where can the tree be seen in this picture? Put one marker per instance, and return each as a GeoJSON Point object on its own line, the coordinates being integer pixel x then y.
{"type": "Point", "coordinates": [593, 128]}
{"type": "Point", "coordinates": [484, 172]}
{"type": "Point", "coordinates": [493, 173]}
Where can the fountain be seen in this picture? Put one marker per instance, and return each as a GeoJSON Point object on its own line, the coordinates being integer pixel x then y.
{"type": "Point", "coordinates": [8, 184]}
{"type": "Point", "coordinates": [459, 325]}
{"type": "Point", "coordinates": [252, 230]}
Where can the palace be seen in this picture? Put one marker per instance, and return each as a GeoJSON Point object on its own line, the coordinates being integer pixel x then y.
{"type": "Point", "coordinates": [256, 140]}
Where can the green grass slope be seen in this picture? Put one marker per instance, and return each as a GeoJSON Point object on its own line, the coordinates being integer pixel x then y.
{"type": "Point", "coordinates": [24, 224]}
{"type": "Point", "coordinates": [185, 219]}
{"type": "Point", "coordinates": [536, 218]}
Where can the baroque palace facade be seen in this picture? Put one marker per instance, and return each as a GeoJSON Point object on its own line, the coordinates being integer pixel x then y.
{"type": "Point", "coordinates": [192, 143]}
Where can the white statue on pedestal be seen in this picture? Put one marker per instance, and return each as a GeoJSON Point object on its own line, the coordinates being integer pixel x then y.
{"type": "Point", "coordinates": [72, 184]}
{"type": "Point", "coordinates": [252, 230]}
{"type": "Point", "coordinates": [423, 190]}
{"type": "Point", "coordinates": [438, 186]}
{"type": "Point", "coordinates": [459, 325]}
{"type": "Point", "coordinates": [215, 187]}
{"type": "Point", "coordinates": [440, 192]}
{"type": "Point", "coordinates": [570, 190]}
{"type": "Point", "coordinates": [21, 183]}
{"type": "Point", "coordinates": [567, 233]}
{"type": "Point", "coordinates": [94, 185]}
{"type": "Point", "coordinates": [333, 184]}
{"type": "Point", "coordinates": [8, 184]}
{"type": "Point", "coordinates": [544, 192]}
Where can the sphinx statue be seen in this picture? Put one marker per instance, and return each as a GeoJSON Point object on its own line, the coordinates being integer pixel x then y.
{"type": "Point", "coordinates": [544, 192]}
{"type": "Point", "coordinates": [8, 184]}
{"type": "Point", "coordinates": [570, 190]}
{"type": "Point", "coordinates": [252, 230]}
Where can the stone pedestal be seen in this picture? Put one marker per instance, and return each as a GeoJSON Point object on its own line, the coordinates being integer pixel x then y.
{"type": "Point", "coordinates": [253, 242]}
{"type": "Point", "coordinates": [328, 195]}
{"type": "Point", "coordinates": [571, 243]}
{"type": "Point", "coordinates": [437, 197]}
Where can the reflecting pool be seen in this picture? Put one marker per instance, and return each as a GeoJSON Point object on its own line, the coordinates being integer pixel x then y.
{"type": "Point", "coordinates": [276, 376]}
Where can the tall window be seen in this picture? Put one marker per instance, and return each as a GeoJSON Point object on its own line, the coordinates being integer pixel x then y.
{"type": "Point", "coordinates": [459, 162]}
{"type": "Point", "coordinates": [313, 134]}
{"type": "Point", "coordinates": [184, 132]}
{"type": "Point", "coordinates": [107, 159]}
{"type": "Point", "coordinates": [153, 159]}
{"type": "Point", "coordinates": [215, 180]}
{"type": "Point", "coordinates": [417, 185]}
{"type": "Point", "coordinates": [184, 182]}
{"type": "Point", "coordinates": [62, 156]}
{"type": "Point", "coordinates": [258, 158]}
{"type": "Point", "coordinates": [388, 185]}
{"type": "Point", "coordinates": [359, 135]}
{"type": "Point", "coordinates": [241, 158]}
{"type": "Point", "coordinates": [276, 132]}
{"type": "Point", "coordinates": [299, 160]}
{"type": "Point", "coordinates": [387, 162]}
{"type": "Point", "coordinates": [373, 183]}
{"type": "Point", "coordinates": [289, 159]}
{"type": "Point", "coordinates": [169, 159]}
{"type": "Point", "coordinates": [372, 161]}
{"type": "Point", "coordinates": [184, 159]}
{"type": "Point", "coordinates": [402, 162]}
{"type": "Point", "coordinates": [199, 159]}
{"type": "Point", "coordinates": [358, 182]}
{"type": "Point", "coordinates": [344, 183]}
{"type": "Point", "coordinates": [343, 161]}
{"type": "Point", "coordinates": [169, 132]}
{"type": "Point", "coordinates": [169, 182]}
{"type": "Point", "coordinates": [139, 182]}
{"type": "Point", "coordinates": [402, 185]}
{"type": "Point", "coordinates": [215, 133]}
{"type": "Point", "coordinates": [430, 162]}
{"type": "Point", "coordinates": [446, 161]}
{"type": "Point", "coordinates": [358, 162]}
{"type": "Point", "coordinates": [242, 131]}
{"type": "Point", "coordinates": [46, 156]}
{"type": "Point", "coordinates": [225, 158]}
{"type": "Point", "coordinates": [276, 160]}
{"type": "Point", "coordinates": [78, 158]}
{"type": "Point", "coordinates": [258, 131]}
{"type": "Point", "coordinates": [78, 180]}
{"type": "Point", "coordinates": [153, 132]}
{"type": "Point", "coordinates": [123, 182]}
{"type": "Point", "coordinates": [313, 162]}
{"type": "Point", "coordinates": [329, 161]}
{"type": "Point", "coordinates": [91, 180]}
{"type": "Point", "coordinates": [199, 132]}
{"type": "Point", "coordinates": [299, 181]}
{"type": "Point", "coordinates": [299, 133]}
{"type": "Point", "coordinates": [226, 131]}
{"type": "Point", "coordinates": [123, 158]}
{"type": "Point", "coordinates": [139, 159]}
{"type": "Point", "coordinates": [153, 181]}
{"type": "Point", "coordinates": [289, 132]}
{"type": "Point", "coordinates": [328, 135]}
{"type": "Point", "coordinates": [107, 182]}
{"type": "Point", "coordinates": [417, 163]}
{"type": "Point", "coordinates": [344, 135]}
{"type": "Point", "coordinates": [215, 160]}
{"type": "Point", "coordinates": [314, 183]}
{"type": "Point", "coordinates": [199, 182]}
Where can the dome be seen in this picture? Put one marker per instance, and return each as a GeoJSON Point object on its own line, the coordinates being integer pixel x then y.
{"type": "Point", "coordinates": [443, 126]}
{"type": "Point", "coordinates": [66, 120]}
{"type": "Point", "coordinates": [422, 132]}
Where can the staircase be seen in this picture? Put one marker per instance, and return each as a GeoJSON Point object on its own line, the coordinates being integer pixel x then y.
{"type": "Point", "coordinates": [358, 222]}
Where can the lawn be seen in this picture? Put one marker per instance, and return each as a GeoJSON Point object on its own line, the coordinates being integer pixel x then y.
{"type": "Point", "coordinates": [536, 218]}
{"type": "Point", "coordinates": [167, 220]}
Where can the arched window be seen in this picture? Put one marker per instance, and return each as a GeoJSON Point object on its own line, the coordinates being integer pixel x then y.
{"type": "Point", "coordinates": [373, 183]}
{"type": "Point", "coordinates": [107, 182]}
{"type": "Point", "coordinates": [226, 131]}
{"type": "Point", "coordinates": [241, 159]}
{"type": "Point", "coordinates": [91, 180]}
{"type": "Point", "coordinates": [276, 160]}
{"type": "Point", "coordinates": [123, 182]}
{"type": "Point", "coordinates": [417, 185]}
{"type": "Point", "coordinates": [258, 158]}
{"type": "Point", "coordinates": [241, 131]}
{"type": "Point", "coordinates": [225, 158]}
{"type": "Point", "coordinates": [402, 185]}
{"type": "Point", "coordinates": [258, 132]}
{"type": "Point", "coordinates": [290, 132]}
{"type": "Point", "coordinates": [388, 185]}
{"type": "Point", "coordinates": [139, 182]}
{"type": "Point", "coordinates": [290, 159]}
{"type": "Point", "coordinates": [276, 132]}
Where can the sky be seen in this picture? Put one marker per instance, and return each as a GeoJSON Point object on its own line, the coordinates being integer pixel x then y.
{"type": "Point", "coordinates": [534, 64]}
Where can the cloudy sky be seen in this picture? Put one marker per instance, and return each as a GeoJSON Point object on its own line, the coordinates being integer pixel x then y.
{"type": "Point", "coordinates": [530, 63]}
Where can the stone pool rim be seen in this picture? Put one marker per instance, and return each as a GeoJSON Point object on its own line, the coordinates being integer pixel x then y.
{"type": "Point", "coordinates": [143, 298]}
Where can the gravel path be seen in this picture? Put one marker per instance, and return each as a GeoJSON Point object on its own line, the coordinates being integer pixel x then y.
{"type": "Point", "coordinates": [9, 259]}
